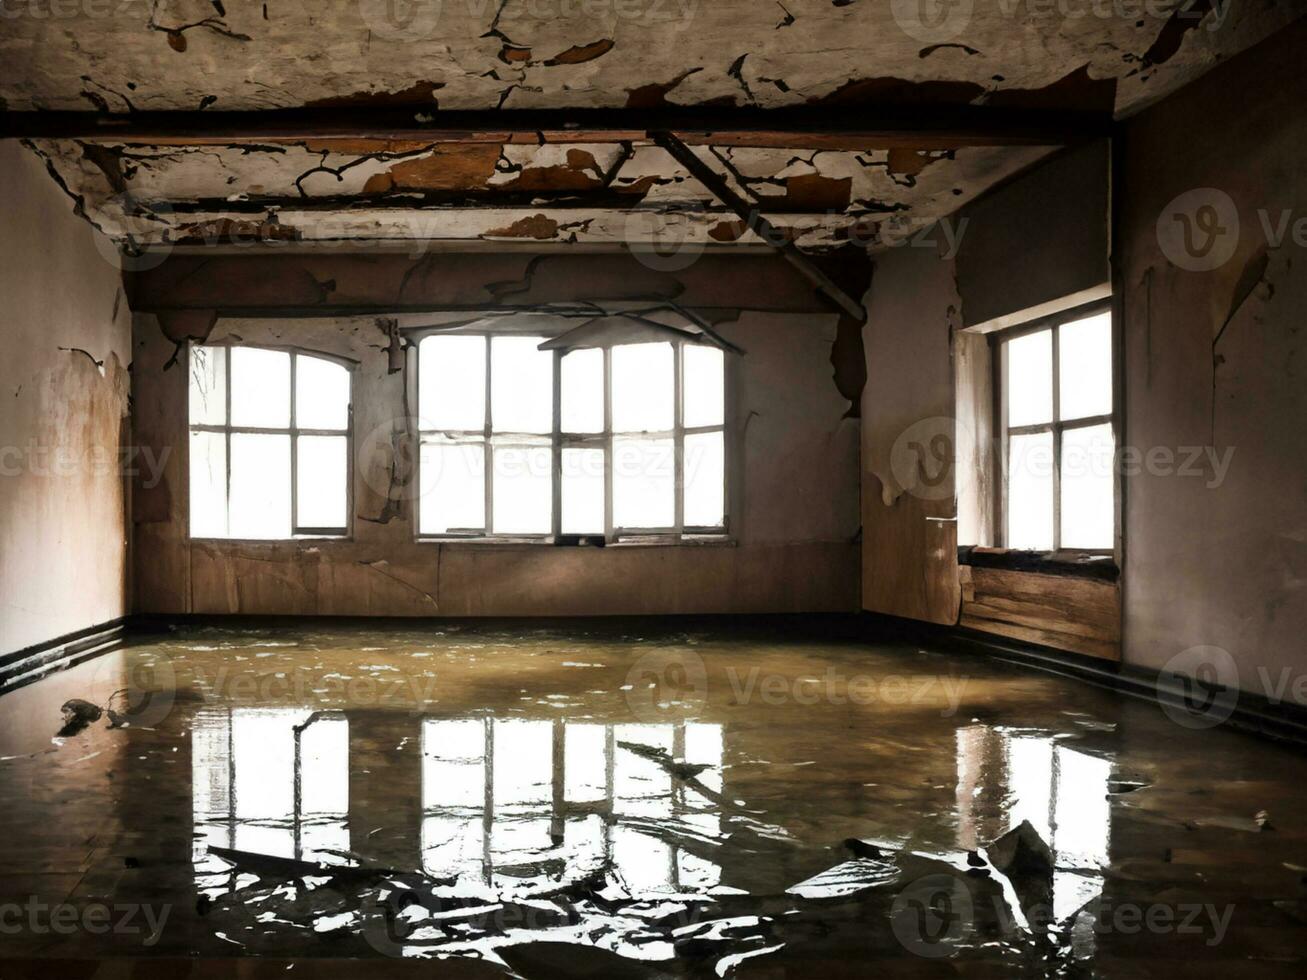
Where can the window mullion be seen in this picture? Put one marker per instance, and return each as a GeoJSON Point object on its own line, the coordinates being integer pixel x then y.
{"type": "Point", "coordinates": [487, 451]}
{"type": "Point", "coordinates": [678, 437]}
{"type": "Point", "coordinates": [226, 355]}
{"type": "Point", "coordinates": [1057, 439]}
{"type": "Point", "coordinates": [294, 454]}
{"type": "Point", "coordinates": [608, 444]}
{"type": "Point", "coordinates": [556, 451]}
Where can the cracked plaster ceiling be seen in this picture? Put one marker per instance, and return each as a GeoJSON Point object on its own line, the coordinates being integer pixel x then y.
{"type": "Point", "coordinates": [560, 54]}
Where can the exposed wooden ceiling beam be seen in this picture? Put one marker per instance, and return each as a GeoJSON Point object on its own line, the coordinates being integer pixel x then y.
{"type": "Point", "coordinates": [817, 126]}
{"type": "Point", "coordinates": [753, 219]}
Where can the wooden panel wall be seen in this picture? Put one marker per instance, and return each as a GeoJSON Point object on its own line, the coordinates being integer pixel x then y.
{"type": "Point", "coordinates": [1080, 615]}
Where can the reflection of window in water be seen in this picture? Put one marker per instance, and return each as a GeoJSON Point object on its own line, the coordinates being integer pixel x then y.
{"type": "Point", "coordinates": [1004, 778]}
{"type": "Point", "coordinates": [506, 802]}
{"type": "Point", "coordinates": [270, 780]}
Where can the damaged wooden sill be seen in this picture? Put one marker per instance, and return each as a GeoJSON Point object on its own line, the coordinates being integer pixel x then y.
{"type": "Point", "coordinates": [1067, 563]}
{"type": "Point", "coordinates": [632, 541]}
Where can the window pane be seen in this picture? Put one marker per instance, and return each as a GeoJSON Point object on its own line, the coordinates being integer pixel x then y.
{"type": "Point", "coordinates": [208, 488]}
{"type": "Point", "coordinates": [208, 385]}
{"type": "Point", "coordinates": [260, 485]}
{"type": "Point", "coordinates": [705, 480]}
{"type": "Point", "coordinates": [644, 481]}
{"type": "Point", "coordinates": [451, 487]}
{"type": "Point", "coordinates": [322, 481]}
{"type": "Point", "coordinates": [1085, 371]}
{"type": "Point", "coordinates": [260, 388]}
{"type": "Point", "coordinates": [583, 491]}
{"type": "Point", "coordinates": [705, 393]}
{"type": "Point", "coordinates": [321, 393]}
{"type": "Point", "coordinates": [642, 388]}
{"type": "Point", "coordinates": [523, 490]}
{"type": "Point", "coordinates": [1030, 491]}
{"type": "Point", "coordinates": [452, 382]}
{"type": "Point", "coordinates": [523, 385]}
{"type": "Point", "coordinates": [1088, 509]}
{"type": "Point", "coordinates": [583, 391]}
{"type": "Point", "coordinates": [1029, 380]}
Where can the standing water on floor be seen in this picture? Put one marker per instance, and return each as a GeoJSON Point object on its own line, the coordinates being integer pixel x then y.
{"type": "Point", "coordinates": [546, 802]}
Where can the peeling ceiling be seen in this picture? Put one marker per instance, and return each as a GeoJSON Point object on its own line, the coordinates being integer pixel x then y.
{"type": "Point", "coordinates": [126, 56]}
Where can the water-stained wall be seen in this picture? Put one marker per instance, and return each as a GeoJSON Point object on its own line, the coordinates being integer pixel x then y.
{"type": "Point", "coordinates": [63, 387]}
{"type": "Point", "coordinates": [794, 499]}
{"type": "Point", "coordinates": [1216, 524]}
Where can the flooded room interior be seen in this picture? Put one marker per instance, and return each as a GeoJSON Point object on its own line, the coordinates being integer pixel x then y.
{"type": "Point", "coordinates": [655, 489]}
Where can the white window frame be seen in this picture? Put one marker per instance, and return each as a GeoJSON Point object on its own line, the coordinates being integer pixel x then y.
{"type": "Point", "coordinates": [1057, 426]}
{"type": "Point", "coordinates": [293, 430]}
{"type": "Point", "coordinates": [557, 440]}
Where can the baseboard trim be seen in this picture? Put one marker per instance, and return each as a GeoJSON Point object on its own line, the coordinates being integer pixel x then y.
{"type": "Point", "coordinates": [1252, 713]}
{"type": "Point", "coordinates": [32, 663]}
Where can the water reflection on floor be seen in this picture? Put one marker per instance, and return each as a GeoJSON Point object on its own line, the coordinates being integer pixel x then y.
{"type": "Point", "coordinates": [554, 802]}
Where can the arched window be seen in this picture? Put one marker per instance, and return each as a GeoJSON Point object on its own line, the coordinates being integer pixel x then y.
{"type": "Point", "coordinates": [269, 445]}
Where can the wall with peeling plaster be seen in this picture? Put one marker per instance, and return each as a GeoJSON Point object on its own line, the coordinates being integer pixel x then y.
{"type": "Point", "coordinates": [63, 387]}
{"type": "Point", "coordinates": [1217, 358]}
{"type": "Point", "coordinates": [795, 546]}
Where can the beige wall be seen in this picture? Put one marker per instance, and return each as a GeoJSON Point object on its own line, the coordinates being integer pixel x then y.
{"type": "Point", "coordinates": [1218, 358]}
{"type": "Point", "coordinates": [62, 527]}
{"type": "Point", "coordinates": [797, 504]}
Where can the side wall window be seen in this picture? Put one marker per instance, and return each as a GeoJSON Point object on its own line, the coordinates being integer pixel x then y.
{"type": "Point", "coordinates": [1058, 446]}
{"type": "Point", "coordinates": [269, 444]}
{"type": "Point", "coordinates": [517, 441]}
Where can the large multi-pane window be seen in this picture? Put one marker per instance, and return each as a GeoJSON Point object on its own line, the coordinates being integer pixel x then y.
{"type": "Point", "coordinates": [1056, 408]}
{"type": "Point", "coordinates": [269, 443]}
{"type": "Point", "coordinates": [520, 441]}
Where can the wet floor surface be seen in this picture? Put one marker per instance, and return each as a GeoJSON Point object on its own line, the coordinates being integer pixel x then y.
{"type": "Point", "coordinates": [546, 802]}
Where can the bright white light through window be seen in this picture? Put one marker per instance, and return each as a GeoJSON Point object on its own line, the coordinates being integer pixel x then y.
{"type": "Point", "coordinates": [266, 464]}
{"type": "Point", "coordinates": [1057, 388]}
{"type": "Point", "coordinates": [613, 453]}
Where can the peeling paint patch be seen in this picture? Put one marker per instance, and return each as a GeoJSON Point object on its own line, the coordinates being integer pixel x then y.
{"type": "Point", "coordinates": [581, 53]}
{"type": "Point", "coordinates": [654, 96]}
{"type": "Point", "coordinates": [727, 231]}
{"type": "Point", "coordinates": [901, 91]}
{"type": "Point", "coordinates": [419, 93]}
{"type": "Point", "coordinates": [537, 226]}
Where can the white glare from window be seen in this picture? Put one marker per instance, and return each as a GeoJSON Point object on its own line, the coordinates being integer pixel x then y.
{"type": "Point", "coordinates": [1030, 379]}
{"type": "Point", "coordinates": [1030, 491]}
{"type": "Point", "coordinates": [704, 380]}
{"type": "Point", "coordinates": [522, 385]}
{"type": "Point", "coordinates": [452, 382]}
{"type": "Point", "coordinates": [277, 480]}
{"type": "Point", "coordinates": [1085, 371]}
{"type": "Point", "coordinates": [1088, 508]}
{"type": "Point", "coordinates": [583, 391]}
{"type": "Point", "coordinates": [643, 391]}
{"type": "Point", "coordinates": [644, 482]}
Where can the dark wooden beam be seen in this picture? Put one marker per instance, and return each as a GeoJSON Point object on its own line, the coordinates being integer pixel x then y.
{"type": "Point", "coordinates": [752, 217]}
{"type": "Point", "coordinates": [830, 127]}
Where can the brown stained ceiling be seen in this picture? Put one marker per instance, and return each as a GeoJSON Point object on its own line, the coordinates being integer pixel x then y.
{"type": "Point", "coordinates": [583, 193]}
{"type": "Point", "coordinates": [136, 55]}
